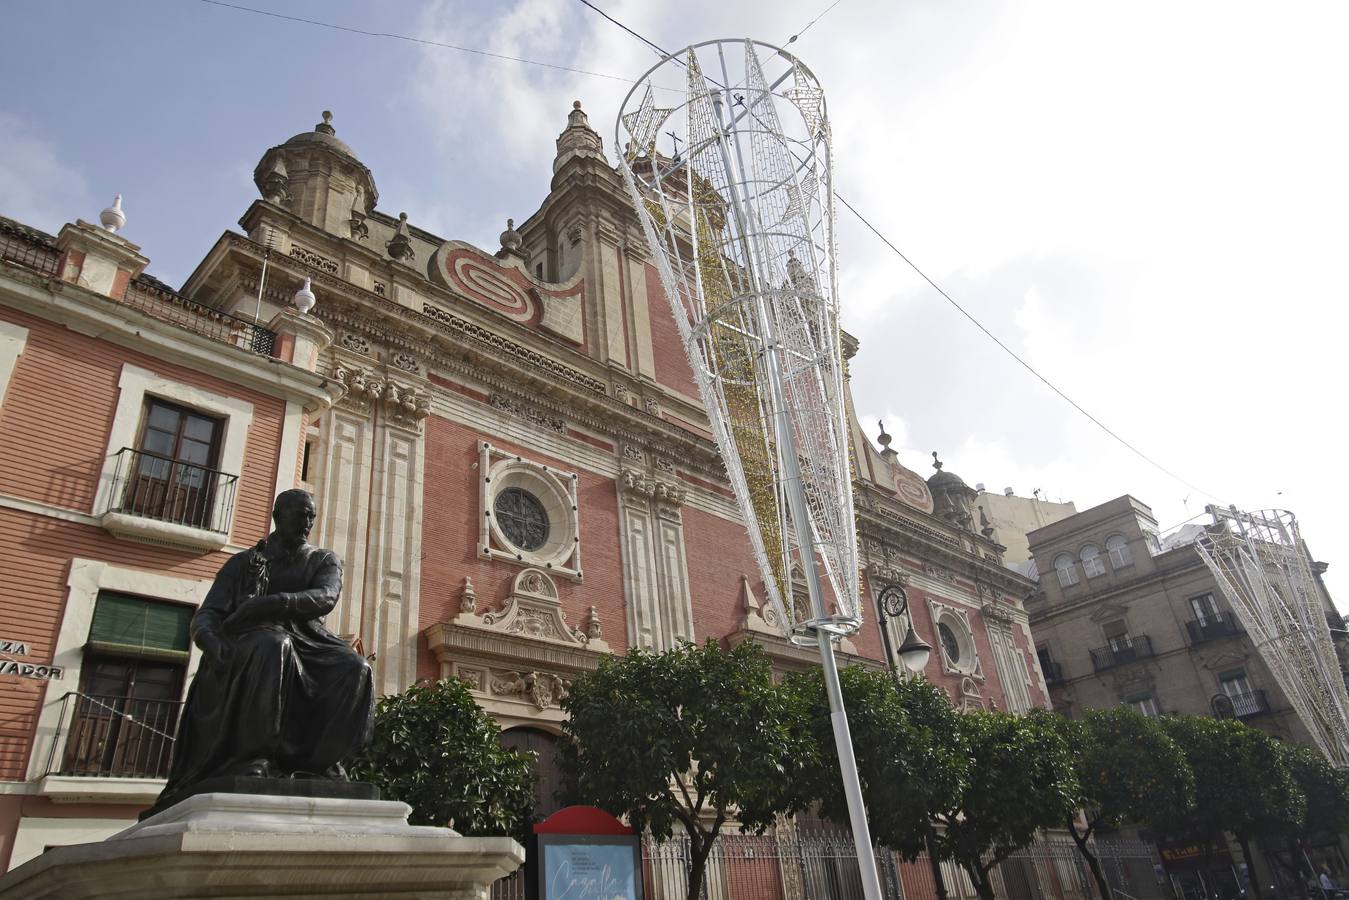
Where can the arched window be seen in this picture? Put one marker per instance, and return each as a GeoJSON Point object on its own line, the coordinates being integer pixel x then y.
{"type": "Point", "coordinates": [1091, 561]}
{"type": "Point", "coordinates": [1120, 554]}
{"type": "Point", "coordinates": [1063, 564]}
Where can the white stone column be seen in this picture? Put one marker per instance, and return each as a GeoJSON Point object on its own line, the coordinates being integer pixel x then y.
{"type": "Point", "coordinates": [393, 576]}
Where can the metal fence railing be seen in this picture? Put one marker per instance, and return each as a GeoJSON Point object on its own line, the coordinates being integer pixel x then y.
{"type": "Point", "coordinates": [797, 865]}
{"type": "Point", "coordinates": [151, 486]}
{"type": "Point", "coordinates": [114, 737]}
{"type": "Point", "coordinates": [1121, 651]}
{"type": "Point", "coordinates": [24, 248]}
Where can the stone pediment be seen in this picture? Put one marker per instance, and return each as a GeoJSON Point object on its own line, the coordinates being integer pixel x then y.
{"type": "Point", "coordinates": [506, 287]}
{"type": "Point", "coordinates": [1107, 612]}
{"type": "Point", "coordinates": [533, 610]}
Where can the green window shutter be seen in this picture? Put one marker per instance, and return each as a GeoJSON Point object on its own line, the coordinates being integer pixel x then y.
{"type": "Point", "coordinates": [133, 626]}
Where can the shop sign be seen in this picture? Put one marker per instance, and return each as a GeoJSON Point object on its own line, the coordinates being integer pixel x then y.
{"type": "Point", "coordinates": [38, 671]}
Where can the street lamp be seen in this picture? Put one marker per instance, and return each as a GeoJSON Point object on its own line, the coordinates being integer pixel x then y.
{"type": "Point", "coordinates": [893, 602]}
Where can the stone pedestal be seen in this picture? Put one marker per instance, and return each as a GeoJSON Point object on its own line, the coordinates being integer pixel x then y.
{"type": "Point", "coordinates": [246, 845]}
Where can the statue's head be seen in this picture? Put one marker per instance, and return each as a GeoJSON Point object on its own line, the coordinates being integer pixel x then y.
{"type": "Point", "coordinates": [293, 513]}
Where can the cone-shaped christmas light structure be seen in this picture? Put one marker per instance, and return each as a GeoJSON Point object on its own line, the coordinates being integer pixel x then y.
{"type": "Point", "coordinates": [731, 176]}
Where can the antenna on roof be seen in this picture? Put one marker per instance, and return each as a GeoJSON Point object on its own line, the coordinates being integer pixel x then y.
{"type": "Point", "coordinates": [268, 245]}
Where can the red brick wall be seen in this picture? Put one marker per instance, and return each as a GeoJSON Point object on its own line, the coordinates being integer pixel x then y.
{"type": "Point", "coordinates": [54, 427]}
{"type": "Point", "coordinates": [58, 411]}
{"type": "Point", "coordinates": [672, 363]}
{"type": "Point", "coordinates": [35, 554]}
{"type": "Point", "coordinates": [450, 540]}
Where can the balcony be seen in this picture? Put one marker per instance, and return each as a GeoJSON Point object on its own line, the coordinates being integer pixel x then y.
{"type": "Point", "coordinates": [1121, 651]}
{"type": "Point", "coordinates": [1053, 672]}
{"type": "Point", "coordinates": [114, 737]}
{"type": "Point", "coordinates": [1240, 706]}
{"type": "Point", "coordinates": [31, 249]}
{"type": "Point", "coordinates": [1211, 627]}
{"type": "Point", "coordinates": [156, 498]}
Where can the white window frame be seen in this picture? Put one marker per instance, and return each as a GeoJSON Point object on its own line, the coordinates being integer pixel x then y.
{"type": "Point", "coordinates": [1067, 577]}
{"type": "Point", "coordinates": [555, 489]}
{"type": "Point", "coordinates": [1092, 564]}
{"type": "Point", "coordinates": [13, 340]}
{"type": "Point", "coordinates": [1146, 705]}
{"type": "Point", "coordinates": [1120, 554]}
{"type": "Point", "coordinates": [236, 416]}
{"type": "Point", "coordinates": [87, 578]}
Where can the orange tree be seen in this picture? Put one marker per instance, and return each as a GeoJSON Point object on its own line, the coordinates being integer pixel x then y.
{"type": "Point", "coordinates": [436, 750]}
{"type": "Point", "coordinates": [1242, 783]}
{"type": "Point", "coordinates": [688, 737]}
{"type": "Point", "coordinates": [1021, 781]}
{"type": "Point", "coordinates": [911, 756]}
{"type": "Point", "coordinates": [1128, 770]}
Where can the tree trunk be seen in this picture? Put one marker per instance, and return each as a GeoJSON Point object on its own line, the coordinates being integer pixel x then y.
{"type": "Point", "coordinates": [983, 883]}
{"type": "Point", "coordinates": [1245, 843]}
{"type": "Point", "coordinates": [1093, 863]}
{"type": "Point", "coordinates": [700, 848]}
{"type": "Point", "coordinates": [935, 862]}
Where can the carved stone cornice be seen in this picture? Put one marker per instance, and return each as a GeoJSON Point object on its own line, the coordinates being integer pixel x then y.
{"type": "Point", "coordinates": [662, 492]}
{"type": "Point", "coordinates": [405, 405]}
{"type": "Point", "coordinates": [347, 307]}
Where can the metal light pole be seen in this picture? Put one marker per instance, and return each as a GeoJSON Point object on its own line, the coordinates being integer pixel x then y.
{"type": "Point", "coordinates": [739, 216]}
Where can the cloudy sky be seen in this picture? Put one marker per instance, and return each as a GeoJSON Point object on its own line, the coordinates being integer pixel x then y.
{"type": "Point", "coordinates": [1148, 201]}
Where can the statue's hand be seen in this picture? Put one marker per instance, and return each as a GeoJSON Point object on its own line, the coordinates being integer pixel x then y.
{"type": "Point", "coordinates": [267, 608]}
{"type": "Point", "coordinates": [216, 648]}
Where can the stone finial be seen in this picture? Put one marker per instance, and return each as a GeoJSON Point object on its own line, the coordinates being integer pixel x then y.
{"type": "Point", "coordinates": [275, 185]}
{"type": "Point", "coordinates": [113, 218]}
{"type": "Point", "coordinates": [594, 631]}
{"type": "Point", "coordinates": [578, 139]}
{"type": "Point", "coordinates": [400, 247]}
{"type": "Point", "coordinates": [326, 126]}
{"type": "Point", "coordinates": [468, 600]}
{"type": "Point", "coordinates": [304, 298]}
{"type": "Point", "coordinates": [884, 439]}
{"type": "Point", "coordinates": [511, 241]}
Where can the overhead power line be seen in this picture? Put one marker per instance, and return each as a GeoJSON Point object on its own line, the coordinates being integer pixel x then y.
{"type": "Point", "coordinates": [949, 299]}
{"type": "Point", "coordinates": [416, 40]}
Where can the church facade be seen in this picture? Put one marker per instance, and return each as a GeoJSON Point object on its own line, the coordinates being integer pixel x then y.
{"type": "Point", "coordinates": [506, 448]}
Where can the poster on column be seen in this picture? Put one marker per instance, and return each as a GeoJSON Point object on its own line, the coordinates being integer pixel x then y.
{"type": "Point", "coordinates": [590, 867]}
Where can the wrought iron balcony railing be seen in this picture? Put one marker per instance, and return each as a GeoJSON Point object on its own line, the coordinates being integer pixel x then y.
{"type": "Point", "coordinates": [1252, 704]}
{"type": "Point", "coordinates": [1210, 627]}
{"type": "Point", "coordinates": [36, 251]}
{"type": "Point", "coordinates": [155, 487]}
{"type": "Point", "coordinates": [1121, 651]}
{"type": "Point", "coordinates": [1053, 672]}
{"type": "Point", "coordinates": [114, 737]}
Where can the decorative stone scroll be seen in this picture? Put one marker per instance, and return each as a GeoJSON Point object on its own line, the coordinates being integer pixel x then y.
{"type": "Point", "coordinates": [758, 617]}
{"type": "Point", "coordinates": [527, 412]}
{"type": "Point", "coordinates": [311, 258]}
{"type": "Point", "coordinates": [543, 689]}
{"type": "Point", "coordinates": [506, 287]}
{"type": "Point", "coordinates": [533, 610]}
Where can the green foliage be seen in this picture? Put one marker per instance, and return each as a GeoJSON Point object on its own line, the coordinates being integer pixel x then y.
{"type": "Point", "coordinates": [436, 750]}
{"type": "Point", "coordinates": [689, 735]}
{"type": "Point", "coordinates": [1242, 779]}
{"type": "Point", "coordinates": [909, 748]}
{"type": "Point", "coordinates": [668, 737]}
{"type": "Point", "coordinates": [1128, 769]}
{"type": "Point", "coordinates": [1325, 788]}
{"type": "Point", "coordinates": [1021, 781]}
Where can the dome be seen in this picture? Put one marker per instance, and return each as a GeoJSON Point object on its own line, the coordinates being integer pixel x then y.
{"type": "Point", "coordinates": [323, 134]}
{"type": "Point", "coordinates": [944, 480]}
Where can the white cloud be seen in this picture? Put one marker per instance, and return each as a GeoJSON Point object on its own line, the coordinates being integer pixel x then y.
{"type": "Point", "coordinates": [38, 187]}
{"type": "Point", "coordinates": [1146, 202]}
